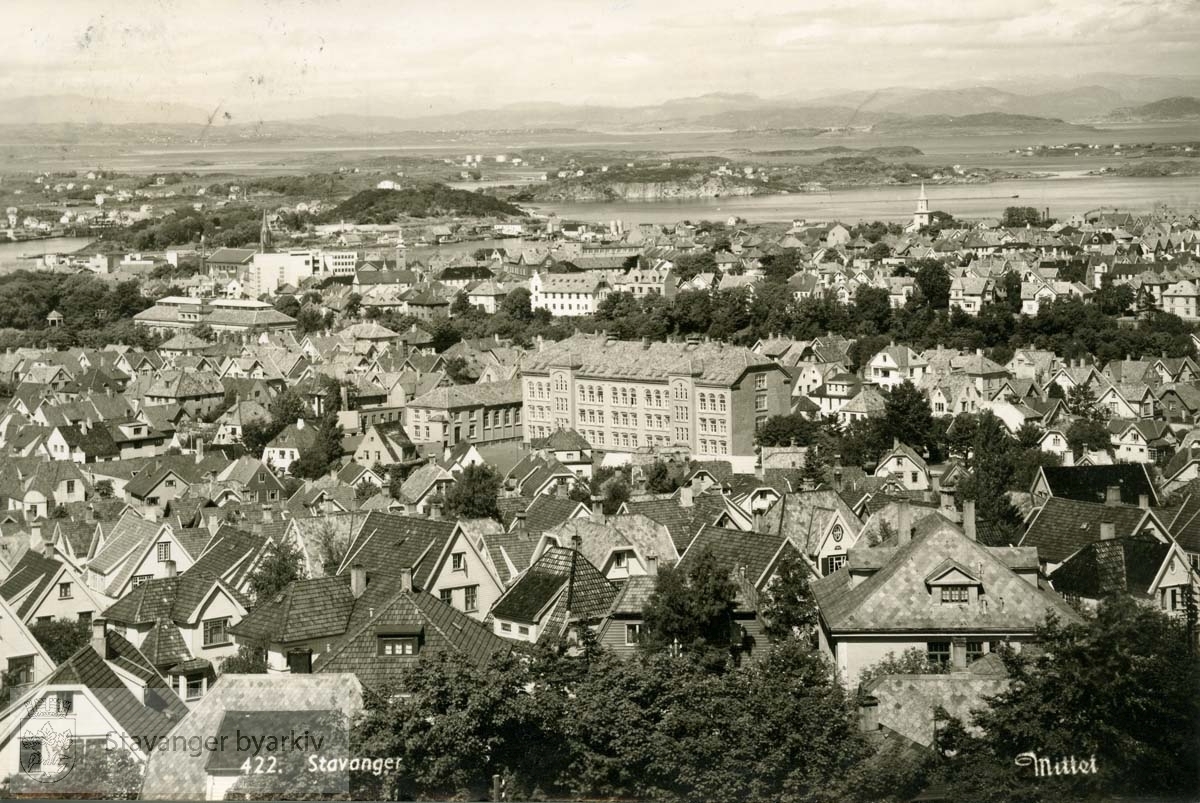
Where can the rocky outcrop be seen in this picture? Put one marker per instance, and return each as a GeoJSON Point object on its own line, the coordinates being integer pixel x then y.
{"type": "Point", "coordinates": [591, 188]}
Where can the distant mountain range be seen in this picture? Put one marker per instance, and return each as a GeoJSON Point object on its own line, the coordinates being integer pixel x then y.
{"type": "Point", "coordinates": [1012, 107]}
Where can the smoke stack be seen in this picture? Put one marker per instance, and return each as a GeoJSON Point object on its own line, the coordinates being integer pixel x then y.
{"type": "Point", "coordinates": [406, 583]}
{"type": "Point", "coordinates": [358, 580]}
{"type": "Point", "coordinates": [98, 641]}
{"type": "Point", "coordinates": [1112, 495]}
{"type": "Point", "coordinates": [969, 519]}
{"type": "Point", "coordinates": [169, 566]}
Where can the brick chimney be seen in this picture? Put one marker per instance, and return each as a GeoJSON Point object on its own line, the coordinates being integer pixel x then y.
{"type": "Point", "coordinates": [969, 519]}
{"type": "Point", "coordinates": [435, 511]}
{"type": "Point", "coordinates": [48, 549]}
{"type": "Point", "coordinates": [406, 580]}
{"type": "Point", "coordinates": [358, 580]}
{"type": "Point", "coordinates": [903, 522]}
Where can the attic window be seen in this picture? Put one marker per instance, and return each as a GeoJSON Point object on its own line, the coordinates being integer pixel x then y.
{"type": "Point", "coordinates": [953, 595]}
{"type": "Point", "coordinates": [393, 646]}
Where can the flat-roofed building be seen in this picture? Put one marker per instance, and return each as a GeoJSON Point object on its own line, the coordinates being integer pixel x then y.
{"type": "Point", "coordinates": [240, 315]}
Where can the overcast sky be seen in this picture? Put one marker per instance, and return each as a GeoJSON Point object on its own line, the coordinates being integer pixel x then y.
{"type": "Point", "coordinates": [266, 57]}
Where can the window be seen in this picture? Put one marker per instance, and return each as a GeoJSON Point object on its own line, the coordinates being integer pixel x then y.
{"type": "Point", "coordinates": [913, 475]}
{"type": "Point", "coordinates": [20, 670]}
{"type": "Point", "coordinates": [195, 687]}
{"type": "Point", "coordinates": [214, 632]}
{"type": "Point", "coordinates": [458, 561]}
{"type": "Point", "coordinates": [471, 598]}
{"type": "Point", "coordinates": [64, 590]}
{"type": "Point", "coordinates": [169, 483]}
{"type": "Point", "coordinates": [633, 634]}
{"type": "Point", "coordinates": [954, 594]}
{"type": "Point", "coordinates": [833, 563]}
{"type": "Point", "coordinates": [523, 630]}
{"type": "Point", "coordinates": [164, 551]}
{"type": "Point", "coordinates": [619, 560]}
{"type": "Point", "coordinates": [938, 652]}
{"type": "Point", "coordinates": [141, 579]}
{"type": "Point", "coordinates": [397, 645]}
{"type": "Point", "coordinates": [70, 486]}
{"type": "Point", "coordinates": [974, 651]}
{"type": "Point", "coordinates": [446, 595]}
{"type": "Point", "coordinates": [760, 381]}
{"type": "Point", "coordinates": [506, 627]}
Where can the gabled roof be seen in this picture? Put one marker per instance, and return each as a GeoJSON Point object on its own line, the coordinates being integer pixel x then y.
{"type": "Point", "coordinates": [33, 572]}
{"type": "Point", "coordinates": [1061, 527]}
{"type": "Point", "coordinates": [386, 543]}
{"type": "Point", "coordinates": [598, 539]}
{"type": "Point", "coordinates": [804, 517]}
{"type": "Point", "coordinates": [744, 554]}
{"type": "Point", "coordinates": [1126, 565]}
{"type": "Point", "coordinates": [558, 573]}
{"type": "Point", "coordinates": [1090, 483]}
{"type": "Point", "coordinates": [894, 596]}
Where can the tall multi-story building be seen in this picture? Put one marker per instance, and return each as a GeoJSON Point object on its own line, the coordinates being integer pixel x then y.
{"type": "Point", "coordinates": [707, 398]}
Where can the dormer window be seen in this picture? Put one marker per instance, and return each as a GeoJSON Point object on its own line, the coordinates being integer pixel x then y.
{"type": "Point", "coordinates": [952, 595]}
{"type": "Point", "coordinates": [397, 645]}
{"type": "Point", "coordinates": [619, 560]}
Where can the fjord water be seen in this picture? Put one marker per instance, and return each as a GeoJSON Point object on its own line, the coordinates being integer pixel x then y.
{"type": "Point", "coordinates": [1063, 196]}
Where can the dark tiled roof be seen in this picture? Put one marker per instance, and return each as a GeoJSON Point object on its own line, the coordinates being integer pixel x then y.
{"type": "Point", "coordinates": [1061, 527]}
{"type": "Point", "coordinates": [1120, 566]}
{"type": "Point", "coordinates": [33, 569]}
{"type": "Point", "coordinates": [1090, 483]}
{"type": "Point", "coordinates": [442, 629]}
{"type": "Point", "coordinates": [386, 543]}
{"type": "Point", "coordinates": [315, 608]}
{"type": "Point", "coordinates": [737, 550]}
{"type": "Point", "coordinates": [557, 572]}
{"type": "Point", "coordinates": [1185, 522]}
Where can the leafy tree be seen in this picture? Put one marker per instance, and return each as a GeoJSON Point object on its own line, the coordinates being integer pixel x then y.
{"type": "Point", "coordinates": [324, 452]}
{"type": "Point", "coordinates": [992, 477]}
{"type": "Point", "coordinates": [907, 417]}
{"type": "Point", "coordinates": [517, 305]}
{"type": "Point", "coordinates": [691, 611]}
{"type": "Point", "coordinates": [813, 473]}
{"type": "Point", "coordinates": [250, 659]}
{"type": "Point", "coordinates": [659, 479]}
{"type": "Point", "coordinates": [474, 495]}
{"type": "Point", "coordinates": [1120, 687]}
{"type": "Point", "coordinates": [61, 638]}
{"type": "Point", "coordinates": [1081, 401]}
{"type": "Point", "coordinates": [1016, 217]}
{"type": "Point", "coordinates": [790, 609]}
{"type": "Point", "coordinates": [103, 489]}
{"type": "Point", "coordinates": [873, 309]}
{"type": "Point", "coordinates": [1086, 435]}
{"type": "Point", "coordinates": [282, 563]}
{"type": "Point", "coordinates": [97, 773]}
{"type": "Point", "coordinates": [878, 252]}
{"type": "Point", "coordinates": [913, 661]}
{"type": "Point", "coordinates": [786, 430]}
{"type": "Point", "coordinates": [934, 283]}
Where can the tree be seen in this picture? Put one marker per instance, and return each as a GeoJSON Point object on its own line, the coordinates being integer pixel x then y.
{"type": "Point", "coordinates": [473, 496]}
{"type": "Point", "coordinates": [97, 772]}
{"type": "Point", "coordinates": [1120, 687]}
{"type": "Point", "coordinates": [992, 477]}
{"type": "Point", "coordinates": [914, 661]}
{"type": "Point", "coordinates": [907, 417]}
{"type": "Point", "coordinates": [813, 473]}
{"type": "Point", "coordinates": [250, 659]}
{"type": "Point", "coordinates": [873, 309]}
{"type": "Point", "coordinates": [790, 609]}
{"type": "Point", "coordinates": [659, 479]}
{"type": "Point", "coordinates": [1081, 401]}
{"type": "Point", "coordinates": [786, 430]}
{"type": "Point", "coordinates": [282, 563]}
{"type": "Point", "coordinates": [517, 305]}
{"type": "Point", "coordinates": [61, 638]}
{"type": "Point", "coordinates": [323, 453]}
{"type": "Point", "coordinates": [1086, 435]}
{"type": "Point", "coordinates": [693, 610]}
{"type": "Point", "coordinates": [934, 283]}
{"type": "Point", "coordinates": [878, 252]}
{"type": "Point", "coordinates": [1017, 217]}
{"type": "Point", "coordinates": [103, 489]}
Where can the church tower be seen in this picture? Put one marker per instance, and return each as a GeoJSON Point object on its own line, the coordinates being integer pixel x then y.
{"type": "Point", "coordinates": [264, 235]}
{"type": "Point", "coordinates": [921, 215]}
{"type": "Point", "coordinates": [401, 258]}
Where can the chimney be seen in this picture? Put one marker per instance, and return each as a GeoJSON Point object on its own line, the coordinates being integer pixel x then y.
{"type": "Point", "coordinates": [1144, 501]}
{"type": "Point", "coordinates": [520, 520]}
{"type": "Point", "coordinates": [837, 479]}
{"type": "Point", "coordinates": [169, 565]}
{"type": "Point", "coordinates": [598, 512]}
{"type": "Point", "coordinates": [652, 565]}
{"type": "Point", "coordinates": [903, 522]}
{"type": "Point", "coordinates": [758, 521]}
{"type": "Point", "coordinates": [299, 423]}
{"type": "Point", "coordinates": [406, 579]}
{"type": "Point", "coordinates": [969, 519]}
{"type": "Point", "coordinates": [868, 715]}
{"type": "Point", "coordinates": [1112, 495]}
{"type": "Point", "coordinates": [358, 580]}
{"type": "Point", "coordinates": [685, 496]}
{"type": "Point", "coordinates": [435, 511]}
{"type": "Point", "coordinates": [1108, 531]}
{"type": "Point", "coordinates": [35, 532]}
{"type": "Point", "coordinates": [99, 643]}
{"type": "Point", "coordinates": [268, 514]}
{"type": "Point", "coordinates": [48, 549]}
{"type": "Point", "coordinates": [89, 513]}
{"type": "Point", "coordinates": [576, 542]}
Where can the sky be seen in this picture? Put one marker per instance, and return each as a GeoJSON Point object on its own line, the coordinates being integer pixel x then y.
{"type": "Point", "coordinates": [280, 58]}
